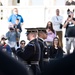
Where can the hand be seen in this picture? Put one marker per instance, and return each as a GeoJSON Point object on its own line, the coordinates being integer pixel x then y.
{"type": "Point", "coordinates": [69, 19]}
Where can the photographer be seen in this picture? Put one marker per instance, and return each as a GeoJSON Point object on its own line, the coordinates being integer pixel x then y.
{"type": "Point", "coordinates": [12, 36]}
{"type": "Point", "coordinates": [18, 28]}
{"type": "Point", "coordinates": [14, 16]}
{"type": "Point", "coordinates": [70, 31]}
{"type": "Point", "coordinates": [17, 25]}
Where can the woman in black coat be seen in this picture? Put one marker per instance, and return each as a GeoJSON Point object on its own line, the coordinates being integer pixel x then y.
{"type": "Point", "coordinates": [55, 50]}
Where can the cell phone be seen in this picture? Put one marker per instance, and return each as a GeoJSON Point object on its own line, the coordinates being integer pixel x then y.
{"type": "Point", "coordinates": [69, 15]}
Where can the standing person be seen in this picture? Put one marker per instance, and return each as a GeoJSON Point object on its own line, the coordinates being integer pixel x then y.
{"type": "Point", "coordinates": [31, 53]}
{"type": "Point", "coordinates": [17, 25]}
{"type": "Point", "coordinates": [14, 16]}
{"type": "Point", "coordinates": [4, 46]}
{"type": "Point", "coordinates": [42, 35]}
{"type": "Point", "coordinates": [51, 34]}
{"type": "Point", "coordinates": [12, 37]}
{"type": "Point", "coordinates": [70, 29]}
{"type": "Point", "coordinates": [55, 50]}
{"type": "Point", "coordinates": [18, 28]}
{"type": "Point", "coordinates": [57, 25]}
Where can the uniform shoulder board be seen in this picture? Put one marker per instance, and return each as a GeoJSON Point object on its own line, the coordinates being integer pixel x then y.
{"type": "Point", "coordinates": [31, 44]}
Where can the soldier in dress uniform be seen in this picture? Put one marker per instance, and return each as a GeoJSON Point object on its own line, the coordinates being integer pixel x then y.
{"type": "Point", "coordinates": [31, 53]}
{"type": "Point", "coordinates": [44, 48]}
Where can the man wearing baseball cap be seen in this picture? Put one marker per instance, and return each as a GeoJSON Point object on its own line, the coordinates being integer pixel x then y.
{"type": "Point", "coordinates": [4, 46]}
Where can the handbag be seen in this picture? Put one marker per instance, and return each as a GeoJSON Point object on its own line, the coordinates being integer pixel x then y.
{"type": "Point", "coordinates": [61, 26]}
{"type": "Point", "coordinates": [60, 23]}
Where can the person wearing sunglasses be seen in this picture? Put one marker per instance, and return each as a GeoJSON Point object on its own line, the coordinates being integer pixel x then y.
{"type": "Point", "coordinates": [22, 46]}
{"type": "Point", "coordinates": [31, 54]}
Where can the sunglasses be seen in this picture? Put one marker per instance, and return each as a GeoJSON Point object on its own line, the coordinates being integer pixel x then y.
{"type": "Point", "coordinates": [22, 43]}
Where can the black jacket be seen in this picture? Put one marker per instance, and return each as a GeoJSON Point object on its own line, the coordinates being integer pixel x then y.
{"type": "Point", "coordinates": [10, 66]}
{"type": "Point", "coordinates": [56, 53]}
{"type": "Point", "coordinates": [62, 66]}
{"type": "Point", "coordinates": [31, 52]}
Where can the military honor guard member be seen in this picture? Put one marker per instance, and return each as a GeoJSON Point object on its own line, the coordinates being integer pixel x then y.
{"type": "Point", "coordinates": [42, 35]}
{"type": "Point", "coordinates": [31, 54]}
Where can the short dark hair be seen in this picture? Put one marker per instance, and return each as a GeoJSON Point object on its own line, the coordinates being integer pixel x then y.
{"type": "Point", "coordinates": [17, 19]}
{"type": "Point", "coordinates": [3, 38]}
{"type": "Point", "coordinates": [22, 41]}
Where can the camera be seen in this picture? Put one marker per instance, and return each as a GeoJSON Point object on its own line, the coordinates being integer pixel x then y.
{"type": "Point", "coordinates": [68, 11]}
{"type": "Point", "coordinates": [15, 26]}
{"type": "Point", "coordinates": [69, 15]}
{"type": "Point", "coordinates": [11, 29]}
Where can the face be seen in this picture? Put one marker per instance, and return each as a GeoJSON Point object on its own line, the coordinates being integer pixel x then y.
{"type": "Point", "coordinates": [22, 44]}
{"type": "Point", "coordinates": [44, 35]}
{"type": "Point", "coordinates": [15, 11]}
{"type": "Point", "coordinates": [28, 36]}
{"type": "Point", "coordinates": [57, 12]}
{"type": "Point", "coordinates": [49, 24]}
{"type": "Point", "coordinates": [56, 41]}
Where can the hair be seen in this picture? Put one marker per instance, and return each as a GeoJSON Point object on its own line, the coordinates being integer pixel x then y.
{"type": "Point", "coordinates": [40, 32]}
{"type": "Point", "coordinates": [57, 9]}
{"type": "Point", "coordinates": [33, 34]}
{"type": "Point", "coordinates": [15, 8]}
{"type": "Point", "coordinates": [51, 26]}
{"type": "Point", "coordinates": [22, 41]}
{"type": "Point", "coordinates": [54, 40]}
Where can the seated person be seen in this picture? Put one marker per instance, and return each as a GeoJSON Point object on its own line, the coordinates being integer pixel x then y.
{"type": "Point", "coordinates": [55, 50]}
